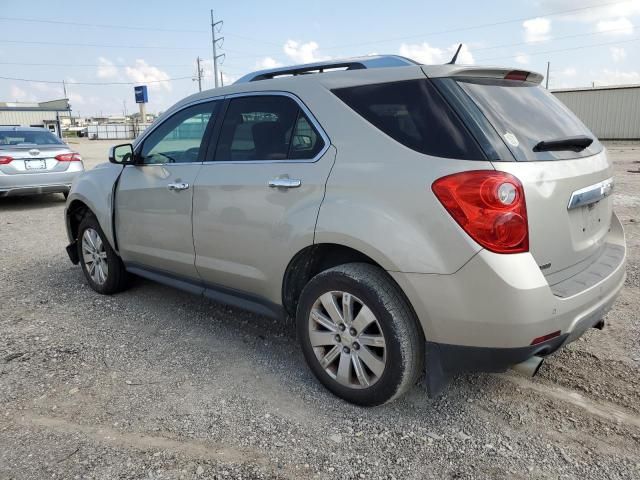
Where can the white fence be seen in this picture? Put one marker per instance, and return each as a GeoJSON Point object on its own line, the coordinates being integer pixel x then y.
{"type": "Point", "coordinates": [116, 131]}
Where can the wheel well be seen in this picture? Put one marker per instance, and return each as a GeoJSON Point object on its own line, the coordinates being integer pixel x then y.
{"type": "Point", "coordinates": [309, 262]}
{"type": "Point", "coordinates": [75, 213]}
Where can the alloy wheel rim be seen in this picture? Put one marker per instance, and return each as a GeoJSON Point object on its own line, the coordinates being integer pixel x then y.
{"type": "Point", "coordinates": [94, 256]}
{"type": "Point", "coordinates": [347, 339]}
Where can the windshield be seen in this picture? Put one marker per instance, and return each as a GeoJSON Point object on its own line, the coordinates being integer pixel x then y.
{"type": "Point", "coordinates": [16, 138]}
{"type": "Point", "coordinates": [525, 114]}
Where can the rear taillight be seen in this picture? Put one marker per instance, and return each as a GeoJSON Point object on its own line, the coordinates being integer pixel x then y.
{"type": "Point", "coordinates": [4, 159]}
{"type": "Point", "coordinates": [517, 75]}
{"type": "Point", "coordinates": [489, 206]}
{"type": "Point", "coordinates": [68, 157]}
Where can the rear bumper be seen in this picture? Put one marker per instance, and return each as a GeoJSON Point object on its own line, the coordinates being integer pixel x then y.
{"type": "Point", "coordinates": [35, 183]}
{"type": "Point", "coordinates": [503, 302]}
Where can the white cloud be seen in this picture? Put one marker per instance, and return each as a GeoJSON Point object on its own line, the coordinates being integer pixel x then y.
{"type": "Point", "coordinates": [617, 77]}
{"type": "Point", "coordinates": [569, 72]}
{"type": "Point", "coordinates": [106, 68]}
{"type": "Point", "coordinates": [267, 62]}
{"type": "Point", "coordinates": [536, 29]}
{"type": "Point", "coordinates": [522, 58]}
{"type": "Point", "coordinates": [618, 54]}
{"type": "Point", "coordinates": [18, 94]}
{"type": "Point", "coordinates": [619, 26]}
{"type": "Point", "coordinates": [144, 73]}
{"type": "Point", "coordinates": [302, 52]}
{"type": "Point", "coordinates": [425, 53]}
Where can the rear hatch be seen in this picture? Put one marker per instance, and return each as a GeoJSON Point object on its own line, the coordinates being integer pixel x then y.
{"type": "Point", "coordinates": [564, 170]}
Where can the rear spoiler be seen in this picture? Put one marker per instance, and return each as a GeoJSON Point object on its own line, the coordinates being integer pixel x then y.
{"type": "Point", "coordinates": [436, 71]}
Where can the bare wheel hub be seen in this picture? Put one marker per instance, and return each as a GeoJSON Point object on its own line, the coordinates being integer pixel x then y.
{"type": "Point", "coordinates": [347, 339]}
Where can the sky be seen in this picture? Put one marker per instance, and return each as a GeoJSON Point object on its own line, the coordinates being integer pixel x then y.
{"type": "Point", "coordinates": [102, 49]}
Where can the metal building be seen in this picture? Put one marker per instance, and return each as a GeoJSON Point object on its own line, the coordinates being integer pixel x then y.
{"type": "Point", "coordinates": [44, 114]}
{"type": "Point", "coordinates": [611, 113]}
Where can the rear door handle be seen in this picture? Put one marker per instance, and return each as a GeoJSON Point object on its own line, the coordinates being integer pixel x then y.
{"type": "Point", "coordinates": [178, 186]}
{"type": "Point", "coordinates": [285, 182]}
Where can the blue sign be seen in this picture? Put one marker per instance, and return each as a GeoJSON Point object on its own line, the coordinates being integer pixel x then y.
{"type": "Point", "coordinates": [141, 94]}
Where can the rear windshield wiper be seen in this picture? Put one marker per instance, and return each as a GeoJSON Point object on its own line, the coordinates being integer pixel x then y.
{"type": "Point", "coordinates": [575, 144]}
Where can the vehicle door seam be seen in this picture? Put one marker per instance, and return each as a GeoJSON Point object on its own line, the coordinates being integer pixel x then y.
{"type": "Point", "coordinates": [324, 193]}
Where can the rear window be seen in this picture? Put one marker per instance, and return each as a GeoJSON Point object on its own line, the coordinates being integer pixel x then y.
{"type": "Point", "coordinates": [413, 113]}
{"type": "Point", "coordinates": [10, 138]}
{"type": "Point", "coordinates": [525, 114]}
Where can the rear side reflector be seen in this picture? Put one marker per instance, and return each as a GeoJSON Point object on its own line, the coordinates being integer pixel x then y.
{"type": "Point", "coordinates": [517, 75]}
{"type": "Point", "coordinates": [546, 337]}
{"type": "Point", "coordinates": [4, 159]}
{"type": "Point", "coordinates": [68, 157]}
{"type": "Point", "coordinates": [489, 206]}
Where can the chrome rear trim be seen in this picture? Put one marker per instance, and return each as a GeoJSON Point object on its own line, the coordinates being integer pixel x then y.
{"type": "Point", "coordinates": [591, 194]}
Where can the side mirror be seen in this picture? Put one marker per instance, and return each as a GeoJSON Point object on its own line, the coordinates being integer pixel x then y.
{"type": "Point", "coordinates": [121, 154]}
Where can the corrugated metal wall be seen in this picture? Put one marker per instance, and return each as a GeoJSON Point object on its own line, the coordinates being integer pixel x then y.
{"type": "Point", "coordinates": [25, 118]}
{"type": "Point", "coordinates": [611, 114]}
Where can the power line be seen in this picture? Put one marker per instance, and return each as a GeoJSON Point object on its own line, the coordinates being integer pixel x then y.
{"type": "Point", "coordinates": [94, 83]}
{"type": "Point", "coordinates": [99, 25]}
{"type": "Point", "coordinates": [28, 42]}
{"type": "Point", "coordinates": [129, 27]}
{"type": "Point", "coordinates": [564, 37]}
{"type": "Point", "coordinates": [581, 47]}
{"type": "Point", "coordinates": [24, 64]}
{"type": "Point", "coordinates": [475, 27]}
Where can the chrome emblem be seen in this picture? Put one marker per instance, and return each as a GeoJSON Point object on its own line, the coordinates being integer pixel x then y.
{"type": "Point", "coordinates": [34, 151]}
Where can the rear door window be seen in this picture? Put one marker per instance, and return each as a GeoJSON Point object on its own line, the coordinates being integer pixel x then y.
{"type": "Point", "coordinates": [413, 113]}
{"type": "Point", "coordinates": [266, 127]}
{"type": "Point", "coordinates": [524, 114]}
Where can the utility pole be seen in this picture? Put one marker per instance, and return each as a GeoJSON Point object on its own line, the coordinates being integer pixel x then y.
{"type": "Point", "coordinates": [221, 79]}
{"type": "Point", "coordinates": [547, 79]}
{"type": "Point", "coordinates": [214, 42]}
{"type": "Point", "coordinates": [64, 88]}
{"type": "Point", "coordinates": [199, 74]}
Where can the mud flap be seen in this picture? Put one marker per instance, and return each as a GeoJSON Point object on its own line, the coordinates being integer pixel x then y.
{"type": "Point", "coordinates": [435, 376]}
{"type": "Point", "coordinates": [72, 251]}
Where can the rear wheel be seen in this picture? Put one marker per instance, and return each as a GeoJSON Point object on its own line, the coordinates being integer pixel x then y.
{"type": "Point", "coordinates": [359, 335]}
{"type": "Point", "coordinates": [102, 267]}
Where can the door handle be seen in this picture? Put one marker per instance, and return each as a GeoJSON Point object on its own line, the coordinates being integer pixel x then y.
{"type": "Point", "coordinates": [285, 182]}
{"type": "Point", "coordinates": [178, 186]}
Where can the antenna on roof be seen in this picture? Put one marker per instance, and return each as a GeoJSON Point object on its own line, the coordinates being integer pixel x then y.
{"type": "Point", "coordinates": [455, 56]}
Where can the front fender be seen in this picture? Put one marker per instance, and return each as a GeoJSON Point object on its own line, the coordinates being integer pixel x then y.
{"type": "Point", "coordinates": [96, 188]}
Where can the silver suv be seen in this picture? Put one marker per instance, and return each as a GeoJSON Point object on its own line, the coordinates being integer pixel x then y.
{"type": "Point", "coordinates": [412, 219]}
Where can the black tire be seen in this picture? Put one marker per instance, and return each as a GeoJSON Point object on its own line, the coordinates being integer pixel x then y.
{"type": "Point", "coordinates": [404, 339]}
{"type": "Point", "coordinates": [116, 278]}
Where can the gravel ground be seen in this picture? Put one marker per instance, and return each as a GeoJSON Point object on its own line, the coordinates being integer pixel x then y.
{"type": "Point", "coordinates": [156, 383]}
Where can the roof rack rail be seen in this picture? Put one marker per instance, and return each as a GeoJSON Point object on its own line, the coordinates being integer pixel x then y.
{"type": "Point", "coordinates": [357, 63]}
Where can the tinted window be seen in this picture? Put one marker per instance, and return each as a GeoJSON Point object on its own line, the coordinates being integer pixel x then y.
{"type": "Point", "coordinates": [525, 114]}
{"type": "Point", "coordinates": [28, 137]}
{"type": "Point", "coordinates": [179, 138]}
{"type": "Point", "coordinates": [413, 113]}
{"type": "Point", "coordinates": [269, 127]}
